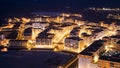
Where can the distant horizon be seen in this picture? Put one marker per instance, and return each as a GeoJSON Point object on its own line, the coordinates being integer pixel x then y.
{"type": "Point", "coordinates": [11, 6]}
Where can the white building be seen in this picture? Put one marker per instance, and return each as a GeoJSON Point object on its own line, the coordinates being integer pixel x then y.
{"type": "Point", "coordinates": [41, 25]}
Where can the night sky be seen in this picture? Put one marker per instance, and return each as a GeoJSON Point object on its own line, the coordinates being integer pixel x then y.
{"type": "Point", "coordinates": [26, 6]}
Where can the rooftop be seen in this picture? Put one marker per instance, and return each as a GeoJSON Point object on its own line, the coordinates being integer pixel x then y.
{"type": "Point", "coordinates": [34, 59]}
{"type": "Point", "coordinates": [86, 35]}
{"type": "Point", "coordinates": [46, 35]}
{"type": "Point", "coordinates": [111, 56]}
{"type": "Point", "coordinates": [28, 30]}
{"type": "Point", "coordinates": [116, 36]}
{"type": "Point", "coordinates": [92, 48]}
{"type": "Point", "coordinates": [12, 35]}
{"type": "Point", "coordinates": [74, 38]}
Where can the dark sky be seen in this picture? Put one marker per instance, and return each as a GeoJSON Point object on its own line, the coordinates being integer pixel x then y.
{"type": "Point", "coordinates": [22, 6]}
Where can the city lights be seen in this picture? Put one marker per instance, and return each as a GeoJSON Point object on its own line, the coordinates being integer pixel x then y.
{"type": "Point", "coordinates": [94, 44]}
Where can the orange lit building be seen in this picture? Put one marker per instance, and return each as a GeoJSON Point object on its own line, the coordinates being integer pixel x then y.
{"type": "Point", "coordinates": [18, 43]}
{"type": "Point", "coordinates": [95, 56]}
{"type": "Point", "coordinates": [74, 44]}
{"type": "Point", "coordinates": [28, 34]}
{"type": "Point", "coordinates": [44, 41]}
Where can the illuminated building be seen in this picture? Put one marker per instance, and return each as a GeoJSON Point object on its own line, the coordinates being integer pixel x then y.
{"type": "Point", "coordinates": [28, 25]}
{"type": "Point", "coordinates": [37, 19]}
{"type": "Point", "coordinates": [118, 32]}
{"type": "Point", "coordinates": [68, 19]}
{"type": "Point", "coordinates": [79, 22]}
{"type": "Point", "coordinates": [112, 42]}
{"type": "Point", "coordinates": [47, 17]}
{"type": "Point", "coordinates": [56, 19]}
{"type": "Point", "coordinates": [55, 30]}
{"type": "Point", "coordinates": [89, 57]}
{"type": "Point", "coordinates": [104, 9]}
{"type": "Point", "coordinates": [97, 42]}
{"type": "Point", "coordinates": [99, 33]}
{"type": "Point", "coordinates": [88, 39]}
{"type": "Point", "coordinates": [11, 34]}
{"type": "Point", "coordinates": [89, 31]}
{"type": "Point", "coordinates": [25, 20]}
{"type": "Point", "coordinates": [83, 29]}
{"type": "Point", "coordinates": [118, 27]}
{"type": "Point", "coordinates": [18, 43]}
{"type": "Point", "coordinates": [35, 32]}
{"type": "Point", "coordinates": [45, 40]}
{"type": "Point", "coordinates": [3, 40]}
{"type": "Point", "coordinates": [118, 45]}
{"type": "Point", "coordinates": [36, 28]}
{"type": "Point", "coordinates": [92, 24]}
{"type": "Point", "coordinates": [74, 44]}
{"type": "Point", "coordinates": [40, 25]}
{"type": "Point", "coordinates": [114, 39]}
{"type": "Point", "coordinates": [8, 29]}
{"type": "Point", "coordinates": [2, 36]}
{"type": "Point", "coordinates": [114, 16]}
{"type": "Point", "coordinates": [101, 23]}
{"type": "Point", "coordinates": [96, 56]}
{"type": "Point", "coordinates": [75, 32]}
{"type": "Point", "coordinates": [85, 62]}
{"type": "Point", "coordinates": [28, 34]}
